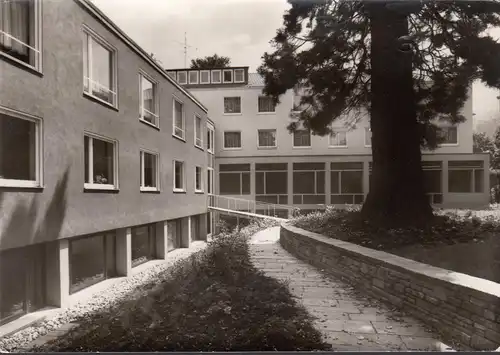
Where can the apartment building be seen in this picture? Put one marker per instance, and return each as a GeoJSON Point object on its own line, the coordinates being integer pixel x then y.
{"type": "Point", "coordinates": [258, 159]}
{"type": "Point", "coordinates": [104, 159]}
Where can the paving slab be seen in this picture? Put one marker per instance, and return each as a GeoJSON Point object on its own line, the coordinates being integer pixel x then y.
{"type": "Point", "coordinates": [348, 320]}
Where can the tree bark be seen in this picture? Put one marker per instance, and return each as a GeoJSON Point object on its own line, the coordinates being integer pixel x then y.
{"type": "Point", "coordinates": [396, 195]}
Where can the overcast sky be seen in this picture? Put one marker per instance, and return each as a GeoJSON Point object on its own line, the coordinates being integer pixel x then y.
{"type": "Point", "coordinates": [239, 29]}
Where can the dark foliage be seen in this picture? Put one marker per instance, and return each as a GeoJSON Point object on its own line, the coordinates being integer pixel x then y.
{"type": "Point", "coordinates": [210, 62]}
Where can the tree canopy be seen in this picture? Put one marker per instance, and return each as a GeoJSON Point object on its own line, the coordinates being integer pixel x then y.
{"type": "Point", "coordinates": [484, 144]}
{"type": "Point", "coordinates": [210, 62]}
{"type": "Point", "coordinates": [325, 47]}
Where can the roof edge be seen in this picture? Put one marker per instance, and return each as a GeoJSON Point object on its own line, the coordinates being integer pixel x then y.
{"type": "Point", "coordinates": [106, 21]}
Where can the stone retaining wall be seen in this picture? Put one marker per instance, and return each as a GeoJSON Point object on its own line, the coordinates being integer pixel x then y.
{"type": "Point", "coordinates": [461, 307]}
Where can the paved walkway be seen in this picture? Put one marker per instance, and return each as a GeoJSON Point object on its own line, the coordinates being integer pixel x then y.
{"type": "Point", "coordinates": [349, 322]}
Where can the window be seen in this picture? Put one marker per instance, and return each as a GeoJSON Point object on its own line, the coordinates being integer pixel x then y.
{"type": "Point", "coordinates": [309, 183]}
{"type": "Point", "coordinates": [216, 76]}
{"type": "Point", "coordinates": [193, 77]}
{"type": "Point", "coordinates": [179, 176]}
{"type": "Point", "coordinates": [174, 234]}
{"type": "Point", "coordinates": [143, 240]}
{"type": "Point", "coordinates": [368, 137]}
{"type": "Point", "coordinates": [448, 135]}
{"type": "Point", "coordinates": [150, 175]}
{"type": "Point", "coordinates": [466, 176]}
{"type": "Point", "coordinates": [232, 140]}
{"type": "Point", "coordinates": [20, 149]}
{"type": "Point", "coordinates": [346, 182]}
{"type": "Point", "coordinates": [338, 139]}
{"type": "Point", "coordinates": [210, 138]}
{"type": "Point", "coordinates": [267, 138]}
{"type": "Point", "coordinates": [172, 74]}
{"type": "Point", "coordinates": [100, 163]}
{"type": "Point", "coordinates": [232, 105]}
{"type": "Point", "coordinates": [148, 109]}
{"type": "Point", "coordinates": [266, 104]}
{"type": "Point", "coordinates": [198, 181]}
{"type": "Point", "coordinates": [20, 32]}
{"type": "Point", "coordinates": [271, 182]}
{"type": "Point", "coordinates": [210, 180]}
{"type": "Point", "coordinates": [99, 67]}
{"type": "Point", "coordinates": [198, 133]}
{"type": "Point", "coordinates": [432, 171]}
{"type": "Point", "coordinates": [182, 77]}
{"type": "Point", "coordinates": [205, 77]}
{"type": "Point", "coordinates": [178, 120]}
{"type": "Point", "coordinates": [227, 76]}
{"type": "Point", "coordinates": [239, 75]}
{"type": "Point", "coordinates": [234, 179]}
{"type": "Point", "coordinates": [91, 260]}
{"type": "Point", "coordinates": [302, 138]}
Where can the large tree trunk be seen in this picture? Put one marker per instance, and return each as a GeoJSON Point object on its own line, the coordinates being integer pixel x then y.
{"type": "Point", "coordinates": [396, 193]}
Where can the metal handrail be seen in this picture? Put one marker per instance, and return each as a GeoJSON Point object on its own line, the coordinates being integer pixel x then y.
{"type": "Point", "coordinates": [239, 204]}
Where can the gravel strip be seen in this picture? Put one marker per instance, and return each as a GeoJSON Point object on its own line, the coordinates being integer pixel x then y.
{"type": "Point", "coordinates": [100, 301]}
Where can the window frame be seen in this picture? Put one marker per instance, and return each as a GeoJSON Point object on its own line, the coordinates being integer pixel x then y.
{"type": "Point", "coordinates": [330, 145]}
{"type": "Point", "coordinates": [183, 189]}
{"type": "Point", "coordinates": [90, 35]}
{"type": "Point", "coordinates": [156, 114]}
{"type": "Point", "coordinates": [39, 172]}
{"type": "Point", "coordinates": [198, 142]}
{"type": "Point", "coordinates": [172, 74]}
{"type": "Point", "coordinates": [201, 189]}
{"type": "Point", "coordinates": [224, 81]}
{"type": "Point", "coordinates": [447, 127]}
{"type": "Point", "coordinates": [240, 173]}
{"type": "Point", "coordinates": [212, 76]}
{"type": "Point", "coordinates": [211, 142]}
{"type": "Point", "coordinates": [143, 188]}
{"type": "Point", "coordinates": [472, 170]}
{"type": "Point", "coordinates": [264, 112]}
{"type": "Point", "coordinates": [315, 172]}
{"type": "Point", "coordinates": [366, 130]}
{"type": "Point", "coordinates": [232, 113]}
{"type": "Point", "coordinates": [183, 129]}
{"type": "Point", "coordinates": [234, 76]}
{"type": "Point", "coordinates": [38, 40]}
{"type": "Point", "coordinates": [275, 138]}
{"type": "Point", "coordinates": [92, 185]}
{"type": "Point", "coordinates": [302, 146]}
{"type": "Point", "coordinates": [197, 77]}
{"type": "Point", "coordinates": [224, 141]}
{"type": "Point", "coordinates": [185, 73]}
{"type": "Point", "coordinates": [210, 176]}
{"type": "Point", "coordinates": [202, 72]}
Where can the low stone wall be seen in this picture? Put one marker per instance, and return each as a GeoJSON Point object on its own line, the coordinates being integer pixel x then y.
{"type": "Point", "coordinates": [462, 307]}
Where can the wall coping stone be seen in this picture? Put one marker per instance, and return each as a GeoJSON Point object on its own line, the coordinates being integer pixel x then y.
{"type": "Point", "coordinates": [408, 265]}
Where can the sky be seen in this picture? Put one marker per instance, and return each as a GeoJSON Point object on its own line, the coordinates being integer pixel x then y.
{"type": "Point", "coordinates": [238, 29]}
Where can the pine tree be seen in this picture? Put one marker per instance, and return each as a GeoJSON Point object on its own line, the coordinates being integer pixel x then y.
{"type": "Point", "coordinates": [408, 63]}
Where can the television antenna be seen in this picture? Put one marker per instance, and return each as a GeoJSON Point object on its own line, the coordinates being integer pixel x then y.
{"type": "Point", "coordinates": [186, 46]}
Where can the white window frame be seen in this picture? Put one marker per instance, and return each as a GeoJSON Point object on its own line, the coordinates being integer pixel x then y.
{"type": "Point", "coordinates": [90, 35]}
{"type": "Point", "coordinates": [447, 127]}
{"type": "Point", "coordinates": [157, 160]}
{"type": "Point", "coordinates": [198, 142]}
{"type": "Point", "coordinates": [37, 46]}
{"type": "Point", "coordinates": [336, 144]}
{"type": "Point", "coordinates": [367, 129]}
{"type": "Point", "coordinates": [38, 182]}
{"type": "Point", "coordinates": [232, 76]}
{"type": "Point", "coordinates": [210, 175]}
{"type": "Point", "coordinates": [155, 114]}
{"type": "Point", "coordinates": [212, 76]}
{"type": "Point", "coordinates": [183, 189]}
{"type": "Point", "coordinates": [224, 141]}
{"type": "Point", "coordinates": [201, 190]}
{"type": "Point", "coordinates": [183, 128]}
{"type": "Point", "coordinates": [275, 138]}
{"type": "Point", "coordinates": [173, 75]}
{"type": "Point", "coordinates": [91, 185]}
{"type": "Point", "coordinates": [194, 82]}
{"type": "Point", "coordinates": [302, 146]}
{"type": "Point", "coordinates": [243, 75]}
{"type": "Point", "coordinates": [473, 170]}
{"type": "Point", "coordinates": [264, 112]}
{"type": "Point", "coordinates": [232, 113]}
{"type": "Point", "coordinates": [211, 146]}
{"type": "Point", "coordinates": [186, 76]}
{"type": "Point", "coordinates": [201, 76]}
